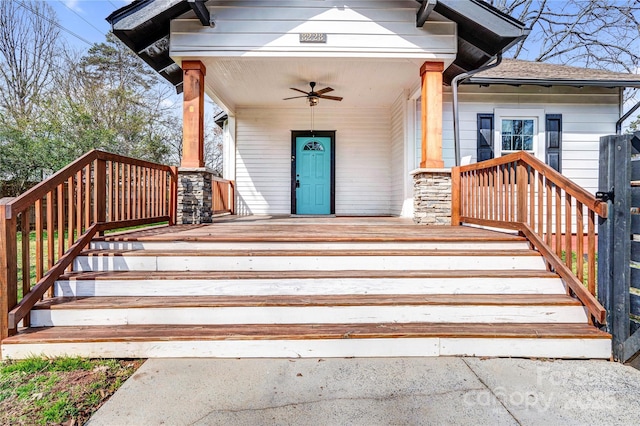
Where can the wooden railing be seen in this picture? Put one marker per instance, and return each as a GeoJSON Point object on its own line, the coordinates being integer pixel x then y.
{"type": "Point", "coordinates": [520, 192]}
{"type": "Point", "coordinates": [98, 192]}
{"type": "Point", "coordinates": [223, 195]}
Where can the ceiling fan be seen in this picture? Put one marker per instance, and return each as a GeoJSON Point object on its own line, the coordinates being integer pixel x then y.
{"type": "Point", "coordinates": [314, 97]}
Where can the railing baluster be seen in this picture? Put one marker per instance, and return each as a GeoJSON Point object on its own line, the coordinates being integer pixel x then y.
{"type": "Point", "coordinates": [87, 196]}
{"type": "Point", "coordinates": [70, 212]}
{"type": "Point", "coordinates": [580, 240]}
{"type": "Point", "coordinates": [79, 203]}
{"type": "Point", "coordinates": [568, 231]}
{"type": "Point", "coordinates": [591, 250]}
{"type": "Point", "coordinates": [548, 189]}
{"type": "Point", "coordinates": [39, 240]}
{"type": "Point", "coordinates": [117, 204]}
{"type": "Point", "coordinates": [558, 221]}
{"type": "Point", "coordinates": [531, 178]}
{"type": "Point", "coordinates": [50, 232]}
{"type": "Point", "coordinates": [540, 205]}
{"type": "Point", "coordinates": [60, 221]}
{"type": "Point", "coordinates": [25, 228]}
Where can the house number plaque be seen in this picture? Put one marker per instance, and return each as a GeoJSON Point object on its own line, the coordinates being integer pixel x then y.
{"type": "Point", "coordinates": [313, 38]}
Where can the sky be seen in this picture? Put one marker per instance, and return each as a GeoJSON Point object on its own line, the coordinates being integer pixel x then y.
{"type": "Point", "coordinates": [85, 19]}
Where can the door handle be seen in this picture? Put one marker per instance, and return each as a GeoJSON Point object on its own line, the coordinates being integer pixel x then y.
{"type": "Point", "coordinates": [297, 183]}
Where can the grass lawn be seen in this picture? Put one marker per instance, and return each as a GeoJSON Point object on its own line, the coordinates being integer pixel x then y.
{"type": "Point", "coordinates": [42, 391]}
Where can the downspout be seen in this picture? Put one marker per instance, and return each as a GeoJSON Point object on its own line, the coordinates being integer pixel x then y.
{"type": "Point", "coordinates": [454, 85]}
{"type": "Point", "coordinates": [627, 115]}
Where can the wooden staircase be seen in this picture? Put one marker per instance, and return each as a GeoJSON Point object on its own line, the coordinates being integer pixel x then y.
{"type": "Point", "coordinates": [326, 289]}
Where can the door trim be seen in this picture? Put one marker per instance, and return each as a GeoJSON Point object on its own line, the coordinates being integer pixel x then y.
{"type": "Point", "coordinates": [331, 134]}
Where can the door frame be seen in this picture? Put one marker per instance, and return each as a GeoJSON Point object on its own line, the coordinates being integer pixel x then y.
{"type": "Point", "coordinates": [331, 134]}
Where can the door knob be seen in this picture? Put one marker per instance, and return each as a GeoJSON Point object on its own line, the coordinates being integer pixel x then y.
{"type": "Point", "coordinates": [297, 183]}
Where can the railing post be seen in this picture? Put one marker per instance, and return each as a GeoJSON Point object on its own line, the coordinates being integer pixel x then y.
{"type": "Point", "coordinates": [456, 201]}
{"type": "Point", "coordinates": [8, 267]}
{"type": "Point", "coordinates": [232, 197]}
{"type": "Point", "coordinates": [173, 196]}
{"type": "Point", "coordinates": [521, 182]}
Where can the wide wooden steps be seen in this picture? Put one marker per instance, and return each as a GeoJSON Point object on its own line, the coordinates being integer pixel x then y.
{"type": "Point", "coordinates": [239, 289]}
{"type": "Point", "coordinates": [314, 340]}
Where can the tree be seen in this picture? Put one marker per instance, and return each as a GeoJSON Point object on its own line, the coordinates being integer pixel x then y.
{"type": "Point", "coordinates": [591, 33]}
{"type": "Point", "coordinates": [29, 44]}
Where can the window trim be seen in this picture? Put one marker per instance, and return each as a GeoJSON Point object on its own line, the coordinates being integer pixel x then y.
{"type": "Point", "coordinates": [538, 116]}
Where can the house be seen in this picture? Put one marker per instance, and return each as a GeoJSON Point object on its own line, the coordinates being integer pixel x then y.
{"type": "Point", "coordinates": [332, 108]}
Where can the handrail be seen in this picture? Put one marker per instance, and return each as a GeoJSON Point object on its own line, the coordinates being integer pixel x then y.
{"type": "Point", "coordinates": [97, 192]}
{"type": "Point", "coordinates": [520, 192]}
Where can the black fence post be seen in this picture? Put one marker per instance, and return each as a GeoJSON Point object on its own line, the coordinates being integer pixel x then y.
{"type": "Point", "coordinates": [605, 229]}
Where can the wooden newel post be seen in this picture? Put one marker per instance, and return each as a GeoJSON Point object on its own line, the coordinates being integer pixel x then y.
{"type": "Point", "coordinates": [8, 267]}
{"type": "Point", "coordinates": [193, 114]}
{"type": "Point", "coordinates": [431, 76]}
{"type": "Point", "coordinates": [456, 203]}
{"type": "Point", "coordinates": [173, 196]}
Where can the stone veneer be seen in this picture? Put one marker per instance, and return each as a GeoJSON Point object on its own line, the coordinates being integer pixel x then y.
{"type": "Point", "coordinates": [194, 196]}
{"type": "Point", "coordinates": [432, 196]}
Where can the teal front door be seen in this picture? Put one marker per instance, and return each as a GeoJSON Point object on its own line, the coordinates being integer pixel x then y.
{"type": "Point", "coordinates": [313, 175]}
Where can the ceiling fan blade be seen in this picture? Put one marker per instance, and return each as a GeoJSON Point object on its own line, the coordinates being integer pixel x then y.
{"type": "Point", "coordinates": [298, 90]}
{"type": "Point", "coordinates": [295, 97]}
{"type": "Point", "coordinates": [325, 90]}
{"type": "Point", "coordinates": [333, 98]}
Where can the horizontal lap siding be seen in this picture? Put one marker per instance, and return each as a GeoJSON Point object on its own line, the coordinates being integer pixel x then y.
{"type": "Point", "coordinates": [263, 174]}
{"type": "Point", "coordinates": [361, 28]}
{"type": "Point", "coordinates": [587, 114]}
{"type": "Point", "coordinates": [397, 156]}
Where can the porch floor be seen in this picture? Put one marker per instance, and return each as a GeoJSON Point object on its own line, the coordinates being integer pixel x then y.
{"type": "Point", "coordinates": [290, 228]}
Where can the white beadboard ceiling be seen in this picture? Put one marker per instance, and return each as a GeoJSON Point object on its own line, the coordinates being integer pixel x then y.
{"type": "Point", "coordinates": [241, 82]}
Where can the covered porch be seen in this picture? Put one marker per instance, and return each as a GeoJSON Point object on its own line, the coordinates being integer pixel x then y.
{"type": "Point", "coordinates": [379, 70]}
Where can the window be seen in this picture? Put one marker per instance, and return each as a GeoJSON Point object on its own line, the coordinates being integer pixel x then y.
{"type": "Point", "coordinates": [517, 135]}
{"type": "Point", "coordinates": [519, 130]}
{"type": "Point", "coordinates": [313, 146]}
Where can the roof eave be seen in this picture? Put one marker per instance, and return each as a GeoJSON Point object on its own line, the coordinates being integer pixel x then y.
{"type": "Point", "coordinates": [551, 82]}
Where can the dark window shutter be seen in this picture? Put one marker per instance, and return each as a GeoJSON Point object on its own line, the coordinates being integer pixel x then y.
{"type": "Point", "coordinates": [553, 143]}
{"type": "Point", "coordinates": [485, 137]}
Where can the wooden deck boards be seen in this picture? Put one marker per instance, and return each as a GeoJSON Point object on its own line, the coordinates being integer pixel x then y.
{"type": "Point", "coordinates": [303, 252]}
{"type": "Point", "coordinates": [326, 230]}
{"type": "Point", "coordinates": [117, 302]}
{"type": "Point", "coordinates": [142, 333]}
{"type": "Point", "coordinates": [266, 275]}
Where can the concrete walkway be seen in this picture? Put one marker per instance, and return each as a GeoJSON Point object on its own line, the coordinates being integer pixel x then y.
{"type": "Point", "coordinates": [399, 391]}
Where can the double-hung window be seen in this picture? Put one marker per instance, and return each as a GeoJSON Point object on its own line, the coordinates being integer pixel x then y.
{"type": "Point", "coordinates": [519, 130]}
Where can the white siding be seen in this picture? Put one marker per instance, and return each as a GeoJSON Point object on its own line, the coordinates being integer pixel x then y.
{"type": "Point", "coordinates": [587, 114]}
{"type": "Point", "coordinates": [354, 28]}
{"type": "Point", "coordinates": [263, 160]}
{"type": "Point", "coordinates": [398, 173]}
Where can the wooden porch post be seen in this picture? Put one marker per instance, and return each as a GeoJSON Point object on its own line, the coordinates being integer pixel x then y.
{"type": "Point", "coordinates": [431, 74]}
{"type": "Point", "coordinates": [193, 114]}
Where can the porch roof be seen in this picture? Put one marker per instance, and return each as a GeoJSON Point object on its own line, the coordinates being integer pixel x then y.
{"type": "Point", "coordinates": [519, 72]}
{"type": "Point", "coordinates": [483, 31]}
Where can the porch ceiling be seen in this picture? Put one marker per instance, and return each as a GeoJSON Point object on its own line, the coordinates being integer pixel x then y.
{"type": "Point", "coordinates": [240, 82]}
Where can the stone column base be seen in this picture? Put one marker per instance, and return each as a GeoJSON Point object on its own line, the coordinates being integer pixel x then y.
{"type": "Point", "coordinates": [194, 196]}
{"type": "Point", "coordinates": [432, 196]}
